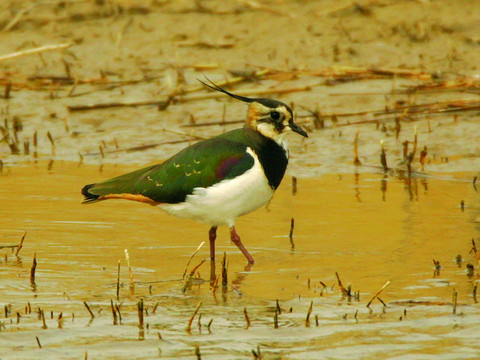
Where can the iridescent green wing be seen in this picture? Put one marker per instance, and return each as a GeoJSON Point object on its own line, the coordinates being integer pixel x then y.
{"type": "Point", "coordinates": [200, 165]}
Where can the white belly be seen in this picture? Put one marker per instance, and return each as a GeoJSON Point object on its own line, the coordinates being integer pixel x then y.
{"type": "Point", "coordinates": [226, 200]}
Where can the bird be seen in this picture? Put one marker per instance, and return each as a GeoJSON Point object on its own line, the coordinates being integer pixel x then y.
{"type": "Point", "coordinates": [216, 180]}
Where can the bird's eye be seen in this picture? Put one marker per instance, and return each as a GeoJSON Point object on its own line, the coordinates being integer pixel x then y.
{"type": "Point", "coordinates": [275, 115]}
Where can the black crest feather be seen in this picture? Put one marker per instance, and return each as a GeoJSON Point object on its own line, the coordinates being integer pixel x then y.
{"type": "Point", "coordinates": [218, 88]}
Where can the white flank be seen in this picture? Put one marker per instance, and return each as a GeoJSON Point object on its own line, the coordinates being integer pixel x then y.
{"type": "Point", "coordinates": [223, 202]}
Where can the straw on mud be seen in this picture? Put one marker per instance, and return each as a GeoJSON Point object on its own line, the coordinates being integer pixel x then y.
{"type": "Point", "coordinates": [118, 281]}
{"type": "Point", "coordinates": [132, 286]}
{"type": "Point", "coordinates": [247, 319]}
{"type": "Point", "coordinates": [474, 183]}
{"type": "Point", "coordinates": [36, 50]}
{"type": "Point", "coordinates": [191, 257]}
{"type": "Point", "coordinates": [474, 292]}
{"type": "Point", "coordinates": [290, 235]}
{"type": "Point", "coordinates": [309, 312]}
{"type": "Point", "coordinates": [454, 310]}
{"type": "Point", "coordinates": [209, 324]}
{"type": "Point", "coordinates": [277, 305]}
{"type": "Point", "coordinates": [155, 307]}
{"type": "Point", "coordinates": [189, 325]}
{"type": "Point", "coordinates": [89, 310]}
{"type": "Point", "coordinates": [378, 293]}
{"type": "Point", "coordinates": [356, 160]}
{"type": "Point", "coordinates": [294, 185]}
{"type": "Point", "coordinates": [32, 270]}
{"type": "Point", "coordinates": [38, 342]}
{"type": "Point", "coordinates": [21, 243]}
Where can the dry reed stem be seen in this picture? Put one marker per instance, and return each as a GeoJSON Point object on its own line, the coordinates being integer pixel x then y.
{"type": "Point", "coordinates": [140, 314]}
{"type": "Point", "coordinates": [309, 312]}
{"type": "Point", "coordinates": [356, 160]}
{"type": "Point", "coordinates": [114, 313]}
{"type": "Point", "coordinates": [259, 6]}
{"type": "Point", "coordinates": [475, 251]}
{"type": "Point", "coordinates": [275, 318]}
{"type": "Point", "coordinates": [191, 257]}
{"type": "Point", "coordinates": [215, 284]}
{"type": "Point", "coordinates": [33, 269]}
{"type": "Point", "coordinates": [44, 324]}
{"type": "Point", "coordinates": [378, 293]}
{"type": "Point", "coordinates": [188, 278]}
{"type": "Point", "coordinates": [18, 16]}
{"type": "Point", "coordinates": [89, 310]}
{"type": "Point", "coordinates": [340, 285]}
{"type": "Point", "coordinates": [383, 157]}
{"type": "Point", "coordinates": [20, 244]}
{"type": "Point", "coordinates": [247, 319]}
{"type": "Point", "coordinates": [36, 50]}
{"type": "Point", "coordinates": [118, 281]}
{"type": "Point", "coordinates": [454, 300]}
{"type": "Point", "coordinates": [189, 325]}
{"type": "Point", "coordinates": [294, 185]}
{"type": "Point", "coordinates": [130, 273]}
{"type": "Point", "coordinates": [290, 235]}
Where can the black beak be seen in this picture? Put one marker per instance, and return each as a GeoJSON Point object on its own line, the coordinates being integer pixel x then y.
{"type": "Point", "coordinates": [297, 129]}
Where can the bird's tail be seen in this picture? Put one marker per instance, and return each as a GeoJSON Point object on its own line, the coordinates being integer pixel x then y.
{"type": "Point", "coordinates": [89, 197]}
{"type": "Point", "coordinates": [109, 189]}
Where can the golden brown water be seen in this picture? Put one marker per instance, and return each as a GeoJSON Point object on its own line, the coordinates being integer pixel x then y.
{"type": "Point", "coordinates": [366, 228]}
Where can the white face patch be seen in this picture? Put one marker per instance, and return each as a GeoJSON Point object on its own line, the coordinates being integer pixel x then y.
{"type": "Point", "coordinates": [272, 123]}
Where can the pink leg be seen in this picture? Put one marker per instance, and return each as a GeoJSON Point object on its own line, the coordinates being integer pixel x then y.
{"type": "Point", "coordinates": [212, 235]}
{"type": "Point", "coordinates": [236, 240]}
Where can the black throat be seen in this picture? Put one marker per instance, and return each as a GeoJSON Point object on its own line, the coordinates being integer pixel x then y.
{"type": "Point", "coordinates": [274, 160]}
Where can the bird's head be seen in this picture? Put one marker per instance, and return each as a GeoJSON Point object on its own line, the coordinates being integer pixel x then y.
{"type": "Point", "coordinates": [271, 118]}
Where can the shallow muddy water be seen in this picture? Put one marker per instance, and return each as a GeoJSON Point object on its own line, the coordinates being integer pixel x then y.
{"type": "Point", "coordinates": [369, 228]}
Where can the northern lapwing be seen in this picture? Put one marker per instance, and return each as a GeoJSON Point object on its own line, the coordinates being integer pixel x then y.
{"type": "Point", "coordinates": [215, 180]}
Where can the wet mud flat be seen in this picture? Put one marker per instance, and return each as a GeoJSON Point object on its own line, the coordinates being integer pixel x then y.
{"type": "Point", "coordinates": [306, 297]}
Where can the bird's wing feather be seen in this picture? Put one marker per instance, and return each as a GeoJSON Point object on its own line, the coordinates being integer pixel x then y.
{"type": "Point", "coordinates": [200, 165]}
